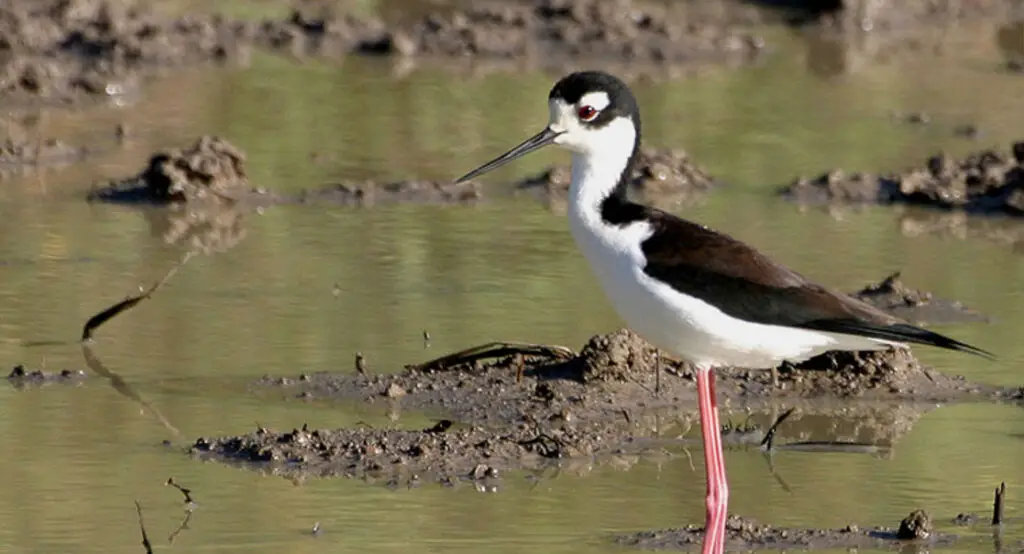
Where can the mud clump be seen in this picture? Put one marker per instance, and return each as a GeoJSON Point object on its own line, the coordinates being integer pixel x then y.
{"type": "Point", "coordinates": [198, 197]}
{"type": "Point", "coordinates": [210, 169]}
{"type": "Point", "coordinates": [660, 176]}
{"type": "Point", "coordinates": [21, 377]}
{"type": "Point", "coordinates": [371, 193]}
{"type": "Point", "coordinates": [894, 296]}
{"type": "Point", "coordinates": [743, 534]}
{"type": "Point", "coordinates": [989, 182]}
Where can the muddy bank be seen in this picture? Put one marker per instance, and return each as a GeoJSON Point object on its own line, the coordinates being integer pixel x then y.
{"type": "Point", "coordinates": [503, 383]}
{"type": "Point", "coordinates": [21, 377]}
{"type": "Point", "coordinates": [523, 406]}
{"type": "Point", "coordinates": [59, 50]}
{"type": "Point", "coordinates": [663, 177]}
{"type": "Point", "coordinates": [547, 437]}
{"type": "Point", "coordinates": [887, 17]}
{"type": "Point", "coordinates": [916, 306]}
{"type": "Point", "coordinates": [62, 50]}
{"type": "Point", "coordinates": [743, 534]}
{"type": "Point", "coordinates": [983, 182]}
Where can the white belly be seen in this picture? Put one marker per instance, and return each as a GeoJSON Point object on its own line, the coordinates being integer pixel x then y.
{"type": "Point", "coordinates": [687, 327]}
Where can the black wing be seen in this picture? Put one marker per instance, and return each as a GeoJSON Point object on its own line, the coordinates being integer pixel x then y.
{"type": "Point", "coordinates": [748, 285]}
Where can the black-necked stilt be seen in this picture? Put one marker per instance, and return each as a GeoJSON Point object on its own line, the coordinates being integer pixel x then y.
{"type": "Point", "coordinates": [701, 295]}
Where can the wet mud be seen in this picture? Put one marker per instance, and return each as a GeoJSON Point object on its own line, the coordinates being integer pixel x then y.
{"type": "Point", "coordinates": [743, 534]}
{"type": "Point", "coordinates": [515, 406]}
{"type": "Point", "coordinates": [22, 377]}
{"type": "Point", "coordinates": [984, 182]}
{"type": "Point", "coordinates": [59, 51]}
{"type": "Point", "coordinates": [887, 17]}
{"type": "Point", "coordinates": [663, 177]}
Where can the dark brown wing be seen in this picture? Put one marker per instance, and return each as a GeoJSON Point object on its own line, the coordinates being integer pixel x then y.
{"type": "Point", "coordinates": [748, 285]}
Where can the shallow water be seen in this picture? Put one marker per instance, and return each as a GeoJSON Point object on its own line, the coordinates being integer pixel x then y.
{"type": "Point", "coordinates": [309, 286]}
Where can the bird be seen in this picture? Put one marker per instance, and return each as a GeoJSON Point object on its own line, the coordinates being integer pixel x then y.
{"type": "Point", "coordinates": [699, 294]}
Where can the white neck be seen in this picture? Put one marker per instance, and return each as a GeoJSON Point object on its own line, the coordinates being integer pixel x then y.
{"type": "Point", "coordinates": [596, 171]}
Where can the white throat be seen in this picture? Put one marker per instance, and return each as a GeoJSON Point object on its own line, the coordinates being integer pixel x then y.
{"type": "Point", "coordinates": [613, 251]}
{"type": "Point", "coordinates": [596, 169]}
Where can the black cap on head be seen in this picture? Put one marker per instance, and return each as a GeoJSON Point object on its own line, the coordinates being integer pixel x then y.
{"type": "Point", "coordinates": [576, 85]}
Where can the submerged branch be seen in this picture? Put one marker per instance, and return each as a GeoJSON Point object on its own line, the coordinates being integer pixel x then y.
{"type": "Point", "coordinates": [142, 527]}
{"type": "Point", "coordinates": [106, 315]}
{"type": "Point", "coordinates": [494, 350]}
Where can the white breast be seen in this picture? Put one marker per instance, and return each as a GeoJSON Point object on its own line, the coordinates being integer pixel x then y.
{"type": "Point", "coordinates": [682, 325]}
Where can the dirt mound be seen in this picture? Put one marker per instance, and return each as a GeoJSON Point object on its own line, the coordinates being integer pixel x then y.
{"type": "Point", "coordinates": [661, 176]}
{"type": "Point", "coordinates": [502, 383]}
{"type": "Point", "coordinates": [212, 169]}
{"type": "Point", "coordinates": [744, 534]}
{"type": "Point", "coordinates": [371, 193]}
{"type": "Point", "coordinates": [988, 181]}
{"type": "Point", "coordinates": [917, 306]}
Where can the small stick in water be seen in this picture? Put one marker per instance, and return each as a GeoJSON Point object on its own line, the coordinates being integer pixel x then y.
{"type": "Point", "coordinates": [997, 505]}
{"type": "Point", "coordinates": [126, 304]}
{"type": "Point", "coordinates": [142, 527]}
{"type": "Point", "coordinates": [426, 339]}
{"type": "Point", "coordinates": [186, 492]}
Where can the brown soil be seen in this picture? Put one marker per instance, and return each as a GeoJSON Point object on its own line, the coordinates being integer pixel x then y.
{"type": "Point", "coordinates": [883, 17]}
{"type": "Point", "coordinates": [914, 305]}
{"type": "Point", "coordinates": [62, 50]}
{"type": "Point", "coordinates": [523, 407]}
{"type": "Point", "coordinates": [554, 32]}
{"type": "Point", "coordinates": [988, 181]}
{"type": "Point", "coordinates": [662, 177]}
{"type": "Point", "coordinates": [744, 534]}
{"type": "Point", "coordinates": [21, 377]}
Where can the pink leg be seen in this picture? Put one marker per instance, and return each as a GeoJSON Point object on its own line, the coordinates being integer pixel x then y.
{"type": "Point", "coordinates": [717, 500]}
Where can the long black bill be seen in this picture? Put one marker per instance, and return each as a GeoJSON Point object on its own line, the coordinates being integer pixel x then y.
{"type": "Point", "coordinates": [536, 142]}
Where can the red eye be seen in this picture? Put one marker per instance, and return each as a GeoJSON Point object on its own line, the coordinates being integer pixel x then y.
{"type": "Point", "coordinates": [587, 113]}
